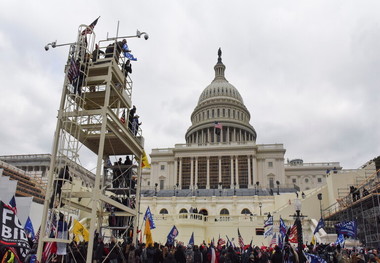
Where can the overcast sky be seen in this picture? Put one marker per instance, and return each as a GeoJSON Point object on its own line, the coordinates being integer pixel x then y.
{"type": "Point", "coordinates": [308, 71]}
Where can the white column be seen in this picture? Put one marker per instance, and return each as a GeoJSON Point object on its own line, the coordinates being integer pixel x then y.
{"type": "Point", "coordinates": [249, 171]}
{"type": "Point", "coordinates": [175, 170]}
{"type": "Point", "coordinates": [208, 173]}
{"type": "Point", "coordinates": [232, 172]}
{"type": "Point", "coordinates": [208, 135]}
{"type": "Point", "coordinates": [254, 170]}
{"type": "Point", "coordinates": [196, 170]}
{"type": "Point", "coordinates": [180, 173]}
{"type": "Point", "coordinates": [203, 137]}
{"type": "Point", "coordinates": [237, 171]}
{"type": "Point", "coordinates": [220, 169]}
{"type": "Point", "coordinates": [234, 139]}
{"type": "Point", "coordinates": [191, 172]}
{"type": "Point", "coordinates": [228, 135]}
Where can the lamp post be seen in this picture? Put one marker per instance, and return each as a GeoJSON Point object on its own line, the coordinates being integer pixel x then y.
{"type": "Point", "coordinates": [260, 206]}
{"type": "Point", "coordinates": [177, 188]}
{"type": "Point", "coordinates": [320, 202]}
{"type": "Point", "coordinates": [278, 187]}
{"type": "Point", "coordinates": [174, 187]}
{"type": "Point", "coordinates": [256, 187]}
{"type": "Point", "coordinates": [234, 189]}
{"type": "Point", "coordinates": [298, 223]}
{"type": "Point", "coordinates": [155, 189]}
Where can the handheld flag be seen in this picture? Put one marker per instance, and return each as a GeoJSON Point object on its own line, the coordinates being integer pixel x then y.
{"type": "Point", "coordinates": [79, 230]}
{"type": "Point", "coordinates": [314, 258]}
{"type": "Point", "coordinates": [340, 240]}
{"type": "Point", "coordinates": [12, 204]}
{"type": "Point", "coordinates": [268, 222]}
{"type": "Point", "coordinates": [348, 228]}
{"type": "Point", "coordinates": [321, 224]}
{"type": "Point", "coordinates": [282, 227]}
{"type": "Point", "coordinates": [12, 233]}
{"type": "Point", "coordinates": [191, 241]}
{"type": "Point", "coordinates": [273, 241]}
{"type": "Point", "coordinates": [89, 29]}
{"type": "Point", "coordinates": [148, 233]}
{"type": "Point", "coordinates": [172, 235]}
{"type": "Point", "coordinates": [29, 228]}
{"type": "Point", "coordinates": [149, 217]}
{"type": "Point", "coordinates": [293, 234]}
{"type": "Point", "coordinates": [241, 242]}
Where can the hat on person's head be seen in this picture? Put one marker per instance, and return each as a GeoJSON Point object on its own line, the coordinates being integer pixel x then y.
{"type": "Point", "coordinates": [136, 116]}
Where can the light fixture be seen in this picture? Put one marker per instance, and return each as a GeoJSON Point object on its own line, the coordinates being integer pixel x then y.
{"type": "Point", "coordinates": [139, 34]}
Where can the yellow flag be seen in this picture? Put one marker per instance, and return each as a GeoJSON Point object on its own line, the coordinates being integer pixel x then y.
{"type": "Point", "coordinates": [148, 233]}
{"type": "Point", "coordinates": [312, 240]}
{"type": "Point", "coordinates": [144, 161]}
{"type": "Point", "coordinates": [80, 230]}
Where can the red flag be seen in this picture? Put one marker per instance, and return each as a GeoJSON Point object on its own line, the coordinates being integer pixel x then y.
{"type": "Point", "coordinates": [293, 234]}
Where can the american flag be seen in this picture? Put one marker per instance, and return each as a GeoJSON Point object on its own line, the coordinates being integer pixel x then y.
{"type": "Point", "coordinates": [73, 71]}
{"type": "Point", "coordinates": [122, 119]}
{"type": "Point", "coordinates": [273, 241]}
{"type": "Point", "coordinates": [241, 242]}
{"type": "Point", "coordinates": [293, 234]}
{"type": "Point", "coordinates": [89, 29]}
{"type": "Point", "coordinates": [218, 127]}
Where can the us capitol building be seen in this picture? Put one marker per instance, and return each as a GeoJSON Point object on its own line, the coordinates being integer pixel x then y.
{"type": "Point", "coordinates": [232, 182]}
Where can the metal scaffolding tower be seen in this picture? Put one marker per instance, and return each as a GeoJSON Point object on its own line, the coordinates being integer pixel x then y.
{"type": "Point", "coordinates": [361, 205]}
{"type": "Point", "coordinates": [93, 115]}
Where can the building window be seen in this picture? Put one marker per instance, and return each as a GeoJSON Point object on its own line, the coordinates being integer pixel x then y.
{"type": "Point", "coordinates": [306, 180]}
{"type": "Point", "coordinates": [246, 211]}
{"type": "Point", "coordinates": [224, 112]}
{"type": "Point", "coordinates": [294, 180]}
{"type": "Point", "coordinates": [271, 183]}
{"type": "Point", "coordinates": [183, 211]}
{"type": "Point", "coordinates": [259, 231]}
{"type": "Point", "coordinates": [162, 183]}
{"type": "Point", "coordinates": [319, 180]}
{"type": "Point", "coordinates": [224, 211]}
{"type": "Point", "coordinates": [162, 167]}
{"type": "Point", "coordinates": [163, 211]}
{"type": "Point", "coordinates": [270, 164]}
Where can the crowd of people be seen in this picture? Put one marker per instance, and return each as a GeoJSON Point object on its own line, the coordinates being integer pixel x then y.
{"type": "Point", "coordinates": [127, 252]}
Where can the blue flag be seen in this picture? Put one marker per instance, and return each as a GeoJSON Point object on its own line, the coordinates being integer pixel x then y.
{"type": "Point", "coordinates": [282, 227]}
{"type": "Point", "coordinates": [127, 53]}
{"type": "Point", "coordinates": [191, 241]}
{"type": "Point", "coordinates": [340, 240]}
{"type": "Point", "coordinates": [12, 204]}
{"type": "Point", "coordinates": [268, 222]}
{"type": "Point", "coordinates": [321, 224]}
{"type": "Point", "coordinates": [29, 228]}
{"type": "Point", "coordinates": [314, 258]}
{"type": "Point", "coordinates": [348, 228]}
{"type": "Point", "coordinates": [172, 235]}
{"type": "Point", "coordinates": [148, 215]}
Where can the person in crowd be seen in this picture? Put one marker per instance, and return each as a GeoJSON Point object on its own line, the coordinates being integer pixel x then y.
{"type": "Point", "coordinates": [62, 228]}
{"type": "Point", "coordinates": [127, 68]}
{"type": "Point", "coordinates": [136, 124]}
{"type": "Point", "coordinates": [189, 254]}
{"type": "Point", "coordinates": [96, 53]}
{"type": "Point", "coordinates": [113, 250]}
{"type": "Point", "coordinates": [179, 254]}
{"type": "Point", "coordinates": [132, 112]}
{"type": "Point", "coordinates": [63, 176]}
{"type": "Point", "coordinates": [99, 250]}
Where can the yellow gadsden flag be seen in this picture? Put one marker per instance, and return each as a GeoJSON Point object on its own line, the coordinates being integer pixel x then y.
{"type": "Point", "coordinates": [148, 233]}
{"type": "Point", "coordinates": [80, 230]}
{"type": "Point", "coordinates": [144, 161]}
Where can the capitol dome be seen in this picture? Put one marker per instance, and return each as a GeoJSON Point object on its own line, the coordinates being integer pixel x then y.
{"type": "Point", "coordinates": [220, 115]}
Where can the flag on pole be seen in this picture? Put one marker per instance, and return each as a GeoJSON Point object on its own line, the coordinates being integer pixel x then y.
{"type": "Point", "coordinates": [321, 224]}
{"type": "Point", "coordinates": [122, 118]}
{"type": "Point", "coordinates": [149, 217]}
{"type": "Point", "coordinates": [73, 71]}
{"type": "Point", "coordinates": [172, 235]}
{"type": "Point", "coordinates": [273, 241]}
{"type": "Point", "coordinates": [89, 29]}
{"type": "Point", "coordinates": [293, 234]}
{"type": "Point", "coordinates": [240, 238]}
{"type": "Point", "coordinates": [148, 233]}
{"type": "Point", "coordinates": [268, 222]}
{"type": "Point", "coordinates": [79, 230]}
{"type": "Point", "coordinates": [29, 228]}
{"type": "Point", "coordinates": [144, 161]}
{"type": "Point", "coordinates": [12, 204]}
{"type": "Point", "coordinates": [191, 241]}
{"type": "Point", "coordinates": [340, 240]}
{"type": "Point", "coordinates": [282, 227]}
{"type": "Point", "coordinates": [348, 228]}
{"type": "Point", "coordinates": [218, 127]}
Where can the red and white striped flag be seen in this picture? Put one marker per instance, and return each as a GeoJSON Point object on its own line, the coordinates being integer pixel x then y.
{"type": "Point", "coordinates": [241, 242]}
{"type": "Point", "coordinates": [293, 234]}
{"type": "Point", "coordinates": [273, 241]}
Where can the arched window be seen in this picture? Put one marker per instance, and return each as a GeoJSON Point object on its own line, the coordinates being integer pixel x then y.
{"type": "Point", "coordinates": [163, 211]}
{"type": "Point", "coordinates": [183, 211]}
{"type": "Point", "coordinates": [246, 211]}
{"type": "Point", "coordinates": [224, 212]}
